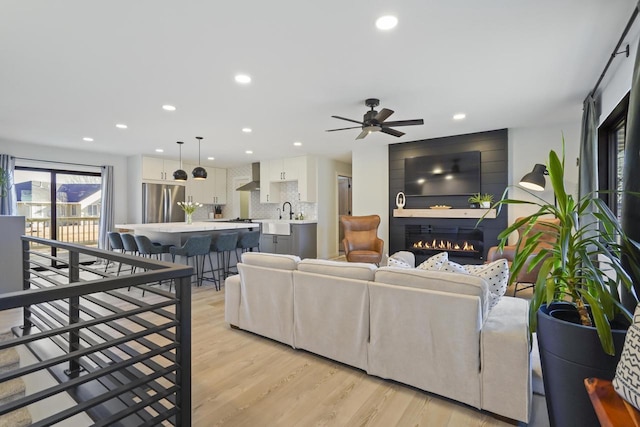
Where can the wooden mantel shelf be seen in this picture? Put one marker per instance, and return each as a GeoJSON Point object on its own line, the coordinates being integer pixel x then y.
{"type": "Point", "coordinates": [444, 213]}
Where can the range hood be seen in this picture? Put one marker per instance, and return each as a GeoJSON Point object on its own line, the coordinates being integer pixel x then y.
{"type": "Point", "coordinates": [255, 179]}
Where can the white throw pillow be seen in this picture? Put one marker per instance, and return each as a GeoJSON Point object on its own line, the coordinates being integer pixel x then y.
{"type": "Point", "coordinates": [453, 267]}
{"type": "Point", "coordinates": [627, 379]}
{"type": "Point", "coordinates": [496, 274]}
{"type": "Point", "coordinates": [392, 262]}
{"type": "Point", "coordinates": [435, 262]}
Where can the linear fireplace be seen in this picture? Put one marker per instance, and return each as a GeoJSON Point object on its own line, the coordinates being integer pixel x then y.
{"type": "Point", "coordinates": [460, 242]}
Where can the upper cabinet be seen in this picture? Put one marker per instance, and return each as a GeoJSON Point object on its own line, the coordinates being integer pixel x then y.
{"type": "Point", "coordinates": [301, 169]}
{"type": "Point", "coordinates": [212, 190]}
{"type": "Point", "coordinates": [154, 169]}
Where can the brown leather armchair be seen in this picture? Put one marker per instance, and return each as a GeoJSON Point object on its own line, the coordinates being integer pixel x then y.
{"type": "Point", "coordinates": [546, 240]}
{"type": "Point", "coordinates": [361, 242]}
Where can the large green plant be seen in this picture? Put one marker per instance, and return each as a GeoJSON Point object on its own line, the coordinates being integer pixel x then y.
{"type": "Point", "coordinates": [573, 269]}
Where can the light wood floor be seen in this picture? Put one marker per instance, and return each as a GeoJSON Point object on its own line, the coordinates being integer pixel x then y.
{"type": "Point", "coordinates": [241, 379]}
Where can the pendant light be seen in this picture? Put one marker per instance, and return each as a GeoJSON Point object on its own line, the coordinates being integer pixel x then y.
{"type": "Point", "coordinates": [199, 173]}
{"type": "Point", "coordinates": [180, 174]}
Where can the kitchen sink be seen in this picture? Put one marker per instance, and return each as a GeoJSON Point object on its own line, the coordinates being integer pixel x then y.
{"type": "Point", "coordinates": [275, 227]}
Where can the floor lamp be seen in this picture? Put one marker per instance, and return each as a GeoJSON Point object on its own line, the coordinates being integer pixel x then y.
{"type": "Point", "coordinates": [536, 181]}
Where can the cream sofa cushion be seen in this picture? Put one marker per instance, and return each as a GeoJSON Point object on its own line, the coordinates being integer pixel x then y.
{"type": "Point", "coordinates": [347, 270]}
{"type": "Point", "coordinates": [268, 260]}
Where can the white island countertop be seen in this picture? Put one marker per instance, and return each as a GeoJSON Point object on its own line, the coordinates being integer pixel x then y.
{"type": "Point", "coordinates": [288, 221]}
{"type": "Point", "coordinates": [183, 227]}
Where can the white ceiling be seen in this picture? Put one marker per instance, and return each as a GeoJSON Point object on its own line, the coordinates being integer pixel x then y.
{"type": "Point", "coordinates": [75, 68]}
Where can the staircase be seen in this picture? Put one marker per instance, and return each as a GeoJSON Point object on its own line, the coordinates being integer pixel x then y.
{"type": "Point", "coordinates": [12, 389]}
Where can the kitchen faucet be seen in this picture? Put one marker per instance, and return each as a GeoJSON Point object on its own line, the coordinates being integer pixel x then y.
{"type": "Point", "coordinates": [290, 209]}
{"type": "Point", "coordinates": [279, 213]}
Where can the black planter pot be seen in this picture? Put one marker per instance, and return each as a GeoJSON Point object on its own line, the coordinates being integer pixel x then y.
{"type": "Point", "coordinates": [569, 353]}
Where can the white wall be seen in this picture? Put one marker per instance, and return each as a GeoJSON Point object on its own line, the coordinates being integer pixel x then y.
{"type": "Point", "coordinates": [56, 154]}
{"type": "Point", "coordinates": [328, 171]}
{"type": "Point", "coordinates": [370, 185]}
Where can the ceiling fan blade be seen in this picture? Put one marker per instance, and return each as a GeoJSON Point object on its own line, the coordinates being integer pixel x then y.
{"type": "Point", "coordinates": [364, 133]}
{"type": "Point", "coordinates": [390, 131]}
{"type": "Point", "coordinates": [349, 120]}
{"type": "Point", "coordinates": [383, 115]}
{"type": "Point", "coordinates": [405, 123]}
{"type": "Point", "coordinates": [333, 130]}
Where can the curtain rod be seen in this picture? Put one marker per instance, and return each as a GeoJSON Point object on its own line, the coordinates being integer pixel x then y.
{"type": "Point", "coordinates": [615, 50]}
{"type": "Point", "coordinates": [60, 163]}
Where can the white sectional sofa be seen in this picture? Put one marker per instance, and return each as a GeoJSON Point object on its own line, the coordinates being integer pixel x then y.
{"type": "Point", "coordinates": [429, 329]}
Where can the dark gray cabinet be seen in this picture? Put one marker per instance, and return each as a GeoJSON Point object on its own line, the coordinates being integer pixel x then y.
{"type": "Point", "coordinates": [302, 241]}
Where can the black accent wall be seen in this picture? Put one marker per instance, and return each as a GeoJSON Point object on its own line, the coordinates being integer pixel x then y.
{"type": "Point", "coordinates": [493, 146]}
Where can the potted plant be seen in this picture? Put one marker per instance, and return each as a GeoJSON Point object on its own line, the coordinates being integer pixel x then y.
{"type": "Point", "coordinates": [481, 200]}
{"type": "Point", "coordinates": [576, 308]}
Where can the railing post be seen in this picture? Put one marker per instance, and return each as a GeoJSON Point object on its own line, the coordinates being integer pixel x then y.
{"type": "Point", "coordinates": [74, 313]}
{"type": "Point", "coordinates": [183, 352]}
{"type": "Point", "coordinates": [26, 285]}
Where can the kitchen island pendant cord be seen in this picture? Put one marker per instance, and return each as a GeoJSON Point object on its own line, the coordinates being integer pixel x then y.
{"type": "Point", "coordinates": [199, 172]}
{"type": "Point", "coordinates": [180, 174]}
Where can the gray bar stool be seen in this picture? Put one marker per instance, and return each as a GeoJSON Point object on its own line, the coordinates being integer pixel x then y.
{"type": "Point", "coordinates": [247, 240]}
{"type": "Point", "coordinates": [115, 241]}
{"type": "Point", "coordinates": [222, 245]}
{"type": "Point", "coordinates": [130, 245]}
{"type": "Point", "coordinates": [148, 249]}
{"type": "Point", "coordinates": [195, 246]}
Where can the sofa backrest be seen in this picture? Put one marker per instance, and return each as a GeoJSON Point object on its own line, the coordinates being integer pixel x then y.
{"type": "Point", "coordinates": [456, 283]}
{"type": "Point", "coordinates": [347, 270]}
{"type": "Point", "coordinates": [268, 260]}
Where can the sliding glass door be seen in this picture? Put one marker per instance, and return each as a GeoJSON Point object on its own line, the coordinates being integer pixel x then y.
{"type": "Point", "coordinates": [59, 205]}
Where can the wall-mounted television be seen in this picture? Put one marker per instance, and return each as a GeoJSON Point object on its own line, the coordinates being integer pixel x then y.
{"type": "Point", "coordinates": [456, 174]}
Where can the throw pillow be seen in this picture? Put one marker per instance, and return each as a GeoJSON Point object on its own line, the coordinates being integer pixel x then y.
{"type": "Point", "coordinates": [453, 267]}
{"type": "Point", "coordinates": [435, 262]}
{"type": "Point", "coordinates": [392, 262]}
{"type": "Point", "coordinates": [496, 274]}
{"type": "Point", "coordinates": [626, 382]}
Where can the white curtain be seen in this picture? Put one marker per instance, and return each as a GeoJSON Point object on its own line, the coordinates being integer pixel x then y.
{"type": "Point", "coordinates": [106, 212]}
{"type": "Point", "coordinates": [8, 203]}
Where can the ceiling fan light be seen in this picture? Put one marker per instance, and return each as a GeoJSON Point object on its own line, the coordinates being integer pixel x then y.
{"type": "Point", "coordinates": [199, 173]}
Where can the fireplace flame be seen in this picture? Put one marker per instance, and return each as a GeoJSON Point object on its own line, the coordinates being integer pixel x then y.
{"type": "Point", "coordinates": [445, 246]}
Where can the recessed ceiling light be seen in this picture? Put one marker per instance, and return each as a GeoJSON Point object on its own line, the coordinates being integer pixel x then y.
{"type": "Point", "coordinates": [86, 138]}
{"type": "Point", "coordinates": [168, 107]}
{"type": "Point", "coordinates": [159, 150]}
{"type": "Point", "coordinates": [248, 152]}
{"type": "Point", "coordinates": [459, 116]}
{"type": "Point", "coordinates": [211, 158]}
{"type": "Point", "coordinates": [246, 130]}
{"type": "Point", "coordinates": [243, 79]}
{"type": "Point", "coordinates": [386, 22]}
{"type": "Point", "coordinates": [297, 143]}
{"type": "Point", "coordinates": [121, 126]}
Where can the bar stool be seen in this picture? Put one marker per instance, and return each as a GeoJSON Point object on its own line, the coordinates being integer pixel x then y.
{"type": "Point", "coordinates": [130, 245]}
{"type": "Point", "coordinates": [195, 246]}
{"type": "Point", "coordinates": [148, 249]}
{"type": "Point", "coordinates": [222, 245]}
{"type": "Point", "coordinates": [115, 241]}
{"type": "Point", "coordinates": [247, 240]}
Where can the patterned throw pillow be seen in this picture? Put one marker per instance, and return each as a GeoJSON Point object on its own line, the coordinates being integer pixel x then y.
{"type": "Point", "coordinates": [496, 274]}
{"type": "Point", "coordinates": [435, 262]}
{"type": "Point", "coordinates": [398, 263]}
{"type": "Point", "coordinates": [453, 267]}
{"type": "Point", "coordinates": [627, 379]}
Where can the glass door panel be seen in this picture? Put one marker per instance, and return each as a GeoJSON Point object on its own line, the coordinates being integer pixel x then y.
{"type": "Point", "coordinates": [33, 191]}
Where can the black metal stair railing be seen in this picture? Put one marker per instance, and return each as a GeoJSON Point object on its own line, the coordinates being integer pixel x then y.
{"type": "Point", "coordinates": [123, 355]}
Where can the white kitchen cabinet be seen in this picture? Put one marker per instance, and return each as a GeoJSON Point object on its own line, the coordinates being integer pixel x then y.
{"type": "Point", "coordinates": [269, 192]}
{"type": "Point", "coordinates": [212, 190]}
{"type": "Point", "coordinates": [301, 169]}
{"type": "Point", "coordinates": [307, 179]}
{"type": "Point", "coordinates": [154, 169]}
{"type": "Point", "coordinates": [283, 170]}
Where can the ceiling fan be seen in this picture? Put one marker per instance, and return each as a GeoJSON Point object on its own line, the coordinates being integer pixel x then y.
{"type": "Point", "coordinates": [374, 121]}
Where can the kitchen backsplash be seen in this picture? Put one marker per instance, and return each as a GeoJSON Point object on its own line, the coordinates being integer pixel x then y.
{"type": "Point", "coordinates": [289, 192]}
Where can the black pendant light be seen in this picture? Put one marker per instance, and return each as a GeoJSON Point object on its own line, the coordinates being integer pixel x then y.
{"type": "Point", "coordinates": [180, 175]}
{"type": "Point", "coordinates": [199, 172]}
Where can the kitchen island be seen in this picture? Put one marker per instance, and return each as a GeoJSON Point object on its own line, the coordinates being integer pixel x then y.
{"type": "Point", "coordinates": [176, 233]}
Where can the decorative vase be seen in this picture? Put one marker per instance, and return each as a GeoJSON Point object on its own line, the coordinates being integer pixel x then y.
{"type": "Point", "coordinates": [400, 200]}
{"type": "Point", "coordinates": [485, 205]}
{"type": "Point", "coordinates": [188, 219]}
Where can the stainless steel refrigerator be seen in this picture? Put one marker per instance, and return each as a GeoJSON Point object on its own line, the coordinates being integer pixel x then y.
{"type": "Point", "coordinates": [160, 203]}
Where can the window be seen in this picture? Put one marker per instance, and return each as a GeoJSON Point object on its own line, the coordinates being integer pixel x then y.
{"type": "Point", "coordinates": [611, 144]}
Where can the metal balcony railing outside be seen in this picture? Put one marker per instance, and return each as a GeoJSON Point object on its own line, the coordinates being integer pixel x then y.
{"type": "Point", "coordinates": [123, 355]}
